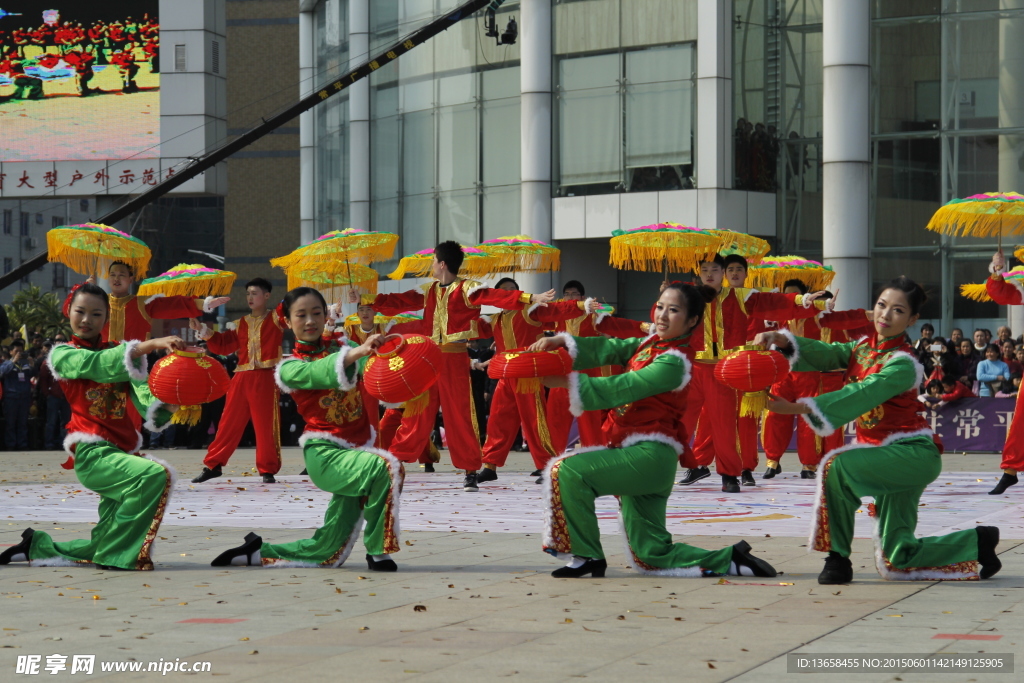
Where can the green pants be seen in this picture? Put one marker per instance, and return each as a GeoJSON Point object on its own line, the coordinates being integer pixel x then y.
{"type": "Point", "coordinates": [641, 476]}
{"type": "Point", "coordinates": [133, 496]}
{"type": "Point", "coordinates": [896, 476]}
{"type": "Point", "coordinates": [365, 485]}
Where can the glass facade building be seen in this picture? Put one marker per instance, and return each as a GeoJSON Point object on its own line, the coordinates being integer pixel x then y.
{"type": "Point", "coordinates": [709, 113]}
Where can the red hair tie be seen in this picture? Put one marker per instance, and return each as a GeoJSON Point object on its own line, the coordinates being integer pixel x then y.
{"type": "Point", "coordinates": [282, 320]}
{"type": "Point", "coordinates": [66, 308]}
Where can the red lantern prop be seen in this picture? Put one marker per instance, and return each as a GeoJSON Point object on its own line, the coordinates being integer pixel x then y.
{"type": "Point", "coordinates": [527, 367]}
{"type": "Point", "coordinates": [188, 379]}
{"type": "Point", "coordinates": [753, 372]}
{"type": "Point", "coordinates": [402, 370]}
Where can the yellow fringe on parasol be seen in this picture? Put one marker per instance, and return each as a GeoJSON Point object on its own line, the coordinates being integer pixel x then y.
{"type": "Point", "coordinates": [90, 248]}
{"type": "Point", "coordinates": [982, 215]}
{"type": "Point", "coordinates": [189, 279]}
{"type": "Point", "coordinates": [666, 246]}
{"type": "Point", "coordinates": [476, 263]}
{"type": "Point", "coordinates": [979, 292]}
{"type": "Point", "coordinates": [514, 253]}
{"type": "Point", "coordinates": [356, 246]}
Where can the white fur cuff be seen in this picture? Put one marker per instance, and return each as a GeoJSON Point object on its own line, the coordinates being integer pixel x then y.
{"type": "Point", "coordinates": [208, 306]}
{"type": "Point", "coordinates": [570, 344]}
{"type": "Point", "coordinates": [575, 400]}
{"type": "Point", "coordinates": [826, 427]}
{"type": "Point", "coordinates": [138, 368]}
{"type": "Point", "coordinates": [344, 383]}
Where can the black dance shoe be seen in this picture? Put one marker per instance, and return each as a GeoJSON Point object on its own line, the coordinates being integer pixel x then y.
{"type": "Point", "coordinates": [207, 474]}
{"type": "Point", "coordinates": [269, 479]}
{"type": "Point", "coordinates": [486, 474]}
{"type": "Point", "coordinates": [747, 478]}
{"type": "Point", "coordinates": [596, 568]}
{"type": "Point", "coordinates": [730, 484]}
{"type": "Point", "coordinates": [112, 568]}
{"type": "Point", "coordinates": [387, 565]}
{"type": "Point", "coordinates": [694, 475]}
{"type": "Point", "coordinates": [469, 483]}
{"type": "Point", "coordinates": [18, 553]}
{"type": "Point", "coordinates": [539, 480]}
{"type": "Point", "coordinates": [429, 467]}
{"type": "Point", "coordinates": [838, 569]}
{"type": "Point", "coordinates": [243, 555]}
{"type": "Point", "coordinates": [304, 472]}
{"type": "Point", "coordinates": [1005, 482]}
{"type": "Point", "coordinates": [755, 566]}
{"type": "Point", "coordinates": [988, 539]}
{"type": "Point", "coordinates": [808, 474]}
{"type": "Point", "coordinates": [771, 472]}
{"type": "Point", "coordinates": [536, 473]}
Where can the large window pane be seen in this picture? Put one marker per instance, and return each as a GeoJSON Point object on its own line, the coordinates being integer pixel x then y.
{"type": "Point", "coordinates": [659, 98]}
{"type": "Point", "coordinates": [501, 211]}
{"type": "Point", "coordinates": [457, 138]}
{"type": "Point", "coordinates": [501, 142]}
{"type": "Point", "coordinates": [589, 120]}
{"type": "Point", "coordinates": [457, 217]}
{"type": "Point", "coordinates": [418, 152]}
{"type": "Point", "coordinates": [418, 223]}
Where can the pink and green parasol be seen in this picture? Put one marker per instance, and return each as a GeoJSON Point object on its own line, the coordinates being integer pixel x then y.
{"type": "Point", "coordinates": [350, 244]}
{"type": "Point", "coordinates": [979, 292]}
{"type": "Point", "coordinates": [773, 271]}
{"type": "Point", "coordinates": [519, 252]}
{"type": "Point", "coordinates": [477, 263]}
{"type": "Point", "coordinates": [333, 280]}
{"type": "Point", "coordinates": [666, 247]}
{"type": "Point", "coordinates": [90, 248]}
{"type": "Point", "coordinates": [189, 279]}
{"type": "Point", "coordinates": [748, 246]}
{"type": "Point", "coordinates": [989, 214]}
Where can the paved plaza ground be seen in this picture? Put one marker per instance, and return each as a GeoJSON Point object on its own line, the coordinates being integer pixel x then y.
{"type": "Point", "coordinates": [473, 599]}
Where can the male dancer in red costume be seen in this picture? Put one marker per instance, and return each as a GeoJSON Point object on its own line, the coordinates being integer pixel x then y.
{"type": "Point", "coordinates": [777, 429]}
{"type": "Point", "coordinates": [722, 331]}
{"type": "Point", "coordinates": [130, 317]}
{"type": "Point", "coordinates": [252, 394]}
{"type": "Point", "coordinates": [588, 324]}
{"type": "Point", "coordinates": [512, 407]}
{"type": "Point", "coordinates": [1008, 293]}
{"type": "Point", "coordinates": [451, 309]}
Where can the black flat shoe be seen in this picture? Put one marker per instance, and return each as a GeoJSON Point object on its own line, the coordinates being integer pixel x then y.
{"type": "Point", "coordinates": [1005, 482]}
{"type": "Point", "coordinates": [771, 472]}
{"type": "Point", "coordinates": [838, 569]}
{"type": "Point", "coordinates": [304, 472]}
{"type": "Point", "coordinates": [486, 474]}
{"type": "Point", "coordinates": [694, 475]}
{"type": "Point", "coordinates": [207, 474]}
{"type": "Point", "coordinates": [429, 467]}
{"type": "Point", "coordinates": [988, 539]}
{"type": "Point", "coordinates": [18, 553]}
{"type": "Point", "coordinates": [112, 568]}
{"type": "Point", "coordinates": [540, 480]}
{"type": "Point", "coordinates": [536, 473]}
{"type": "Point", "coordinates": [808, 474]}
{"type": "Point", "coordinates": [747, 478]}
{"type": "Point", "coordinates": [596, 568]}
{"type": "Point", "coordinates": [730, 484]}
{"type": "Point", "coordinates": [269, 479]}
{"type": "Point", "coordinates": [387, 565]}
{"type": "Point", "coordinates": [243, 555]}
{"type": "Point", "coordinates": [742, 558]}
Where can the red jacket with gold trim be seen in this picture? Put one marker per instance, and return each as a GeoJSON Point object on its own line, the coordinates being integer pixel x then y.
{"type": "Point", "coordinates": [256, 340]}
{"type": "Point", "coordinates": [130, 316]}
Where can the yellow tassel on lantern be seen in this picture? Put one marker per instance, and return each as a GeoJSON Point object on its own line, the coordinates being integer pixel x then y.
{"type": "Point", "coordinates": [416, 405]}
{"type": "Point", "coordinates": [528, 385]}
{"type": "Point", "coordinates": [187, 415]}
{"type": "Point", "coordinates": [754, 403]}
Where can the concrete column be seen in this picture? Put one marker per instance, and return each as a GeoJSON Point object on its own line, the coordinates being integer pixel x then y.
{"type": "Point", "coordinates": [846, 148]}
{"type": "Point", "coordinates": [535, 126]}
{"type": "Point", "coordinates": [1011, 115]}
{"type": "Point", "coordinates": [714, 167]}
{"type": "Point", "coordinates": [307, 169]}
{"type": "Point", "coordinates": [359, 117]}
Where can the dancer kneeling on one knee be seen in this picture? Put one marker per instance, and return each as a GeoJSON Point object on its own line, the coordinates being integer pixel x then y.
{"type": "Point", "coordinates": [643, 436]}
{"type": "Point", "coordinates": [337, 447]}
{"type": "Point", "coordinates": [100, 379]}
{"type": "Point", "coordinates": [894, 457]}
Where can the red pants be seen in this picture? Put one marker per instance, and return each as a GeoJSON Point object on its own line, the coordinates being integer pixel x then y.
{"type": "Point", "coordinates": [1013, 450]}
{"type": "Point", "coordinates": [372, 409]}
{"type": "Point", "coordinates": [455, 395]}
{"type": "Point", "coordinates": [721, 434]}
{"type": "Point", "coordinates": [560, 422]}
{"type": "Point", "coordinates": [778, 429]}
{"type": "Point", "coordinates": [511, 410]}
{"type": "Point", "coordinates": [389, 426]}
{"type": "Point", "coordinates": [252, 395]}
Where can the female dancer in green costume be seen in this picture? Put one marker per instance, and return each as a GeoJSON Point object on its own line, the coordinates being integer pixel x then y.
{"type": "Point", "coordinates": [643, 436]}
{"type": "Point", "coordinates": [338, 448]}
{"type": "Point", "coordinates": [894, 457]}
{"type": "Point", "coordinates": [98, 380]}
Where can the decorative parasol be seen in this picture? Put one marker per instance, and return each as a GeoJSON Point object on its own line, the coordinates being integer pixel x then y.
{"type": "Point", "coordinates": [90, 248]}
{"type": "Point", "coordinates": [477, 263]}
{"type": "Point", "coordinates": [773, 271]}
{"type": "Point", "coordinates": [385, 319]}
{"type": "Point", "coordinates": [189, 279]}
{"type": "Point", "coordinates": [664, 247]}
{"type": "Point", "coordinates": [357, 246]}
{"type": "Point", "coordinates": [981, 215]}
{"type": "Point", "coordinates": [979, 292]}
{"type": "Point", "coordinates": [332, 280]}
{"type": "Point", "coordinates": [748, 246]}
{"type": "Point", "coordinates": [519, 252]}
{"type": "Point", "coordinates": [1019, 254]}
